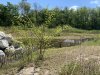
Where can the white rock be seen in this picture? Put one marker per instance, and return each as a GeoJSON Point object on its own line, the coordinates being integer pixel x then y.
{"type": "Point", "coordinates": [4, 43]}
{"type": "Point", "coordinates": [2, 53]}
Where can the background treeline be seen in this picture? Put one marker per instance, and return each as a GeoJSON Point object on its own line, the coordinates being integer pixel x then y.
{"type": "Point", "coordinates": [23, 14]}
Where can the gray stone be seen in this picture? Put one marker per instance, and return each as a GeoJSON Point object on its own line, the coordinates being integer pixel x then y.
{"type": "Point", "coordinates": [2, 53]}
{"type": "Point", "coordinates": [2, 56]}
{"type": "Point", "coordinates": [4, 44]}
{"type": "Point", "coordinates": [5, 40]}
{"type": "Point", "coordinates": [2, 35]}
{"type": "Point", "coordinates": [9, 38]}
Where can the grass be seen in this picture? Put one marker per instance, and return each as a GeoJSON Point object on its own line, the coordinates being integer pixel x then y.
{"type": "Point", "coordinates": [62, 60]}
{"type": "Point", "coordinates": [89, 67]}
{"type": "Point", "coordinates": [56, 58]}
{"type": "Point", "coordinates": [92, 43]}
{"type": "Point", "coordinates": [16, 66]}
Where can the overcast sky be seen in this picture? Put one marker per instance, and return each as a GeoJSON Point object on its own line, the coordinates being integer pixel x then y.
{"type": "Point", "coordinates": [59, 3]}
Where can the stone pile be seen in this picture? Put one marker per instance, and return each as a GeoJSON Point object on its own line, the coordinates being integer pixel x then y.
{"type": "Point", "coordinates": [7, 43]}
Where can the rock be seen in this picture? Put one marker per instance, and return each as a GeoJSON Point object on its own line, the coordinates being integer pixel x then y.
{"type": "Point", "coordinates": [5, 40]}
{"type": "Point", "coordinates": [9, 38]}
{"type": "Point", "coordinates": [9, 46]}
{"type": "Point", "coordinates": [2, 35]}
{"type": "Point", "coordinates": [2, 56]}
{"type": "Point", "coordinates": [2, 53]}
{"type": "Point", "coordinates": [4, 44]}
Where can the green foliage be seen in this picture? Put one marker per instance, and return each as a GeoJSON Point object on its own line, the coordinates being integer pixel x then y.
{"type": "Point", "coordinates": [57, 31]}
{"type": "Point", "coordinates": [8, 13]}
{"type": "Point", "coordinates": [21, 14]}
{"type": "Point", "coordinates": [41, 40]}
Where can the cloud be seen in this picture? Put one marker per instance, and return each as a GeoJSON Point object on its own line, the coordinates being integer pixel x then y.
{"type": "Point", "coordinates": [96, 2]}
{"type": "Point", "coordinates": [74, 7]}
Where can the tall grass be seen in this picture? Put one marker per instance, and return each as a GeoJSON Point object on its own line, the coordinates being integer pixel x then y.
{"type": "Point", "coordinates": [82, 67]}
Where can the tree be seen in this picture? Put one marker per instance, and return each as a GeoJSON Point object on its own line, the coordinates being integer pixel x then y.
{"type": "Point", "coordinates": [8, 13]}
{"type": "Point", "coordinates": [24, 7]}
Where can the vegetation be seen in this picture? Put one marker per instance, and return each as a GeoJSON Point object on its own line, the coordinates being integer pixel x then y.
{"type": "Point", "coordinates": [81, 68]}
{"type": "Point", "coordinates": [83, 18]}
{"type": "Point", "coordinates": [38, 29]}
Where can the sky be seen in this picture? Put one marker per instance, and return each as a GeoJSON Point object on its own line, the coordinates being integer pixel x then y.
{"type": "Point", "coordinates": [59, 3]}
